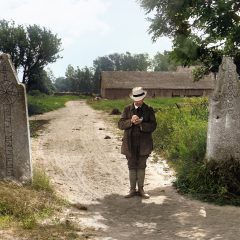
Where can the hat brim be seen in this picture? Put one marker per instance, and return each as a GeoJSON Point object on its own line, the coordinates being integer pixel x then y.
{"type": "Point", "coordinates": [138, 98]}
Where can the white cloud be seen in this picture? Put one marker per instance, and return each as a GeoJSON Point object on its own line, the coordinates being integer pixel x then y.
{"type": "Point", "coordinates": [70, 19]}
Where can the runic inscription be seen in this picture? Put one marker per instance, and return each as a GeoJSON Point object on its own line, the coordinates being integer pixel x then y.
{"type": "Point", "coordinates": [8, 140]}
{"type": "Point", "coordinates": [8, 95]}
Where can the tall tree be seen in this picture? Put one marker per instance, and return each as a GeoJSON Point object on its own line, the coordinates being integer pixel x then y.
{"type": "Point", "coordinates": [123, 62]}
{"type": "Point", "coordinates": [163, 62]}
{"type": "Point", "coordinates": [42, 81]}
{"type": "Point", "coordinates": [31, 48]}
{"type": "Point", "coordinates": [119, 62]}
{"type": "Point", "coordinates": [202, 30]}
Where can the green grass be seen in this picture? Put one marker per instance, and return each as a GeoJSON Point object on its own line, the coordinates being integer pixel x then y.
{"type": "Point", "coordinates": [41, 181]}
{"type": "Point", "coordinates": [108, 105]}
{"type": "Point", "coordinates": [24, 205]}
{"type": "Point", "coordinates": [24, 209]}
{"type": "Point", "coordinates": [44, 103]}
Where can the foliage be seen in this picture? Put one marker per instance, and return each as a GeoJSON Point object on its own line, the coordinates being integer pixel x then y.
{"type": "Point", "coordinates": [30, 47]}
{"type": "Point", "coordinates": [122, 62]}
{"type": "Point", "coordinates": [41, 81]}
{"type": "Point", "coordinates": [202, 31]}
{"type": "Point", "coordinates": [181, 130]}
{"type": "Point", "coordinates": [44, 103]}
{"type": "Point", "coordinates": [119, 62]}
{"type": "Point", "coordinates": [76, 80]}
{"type": "Point", "coordinates": [212, 181]}
{"type": "Point", "coordinates": [163, 62]}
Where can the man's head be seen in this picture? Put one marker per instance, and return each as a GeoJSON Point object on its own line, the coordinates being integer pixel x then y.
{"type": "Point", "coordinates": [138, 95]}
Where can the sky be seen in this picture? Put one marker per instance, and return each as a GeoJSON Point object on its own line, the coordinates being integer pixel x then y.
{"type": "Point", "coordinates": [88, 28]}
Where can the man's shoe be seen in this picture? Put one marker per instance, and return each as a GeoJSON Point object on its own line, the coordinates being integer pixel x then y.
{"type": "Point", "coordinates": [131, 193]}
{"type": "Point", "coordinates": [143, 194]}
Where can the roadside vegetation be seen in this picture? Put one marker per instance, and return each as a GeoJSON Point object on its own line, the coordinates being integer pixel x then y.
{"type": "Point", "coordinates": [25, 205]}
{"type": "Point", "coordinates": [39, 103]}
{"type": "Point", "coordinates": [33, 211]}
{"type": "Point", "coordinates": [180, 137]}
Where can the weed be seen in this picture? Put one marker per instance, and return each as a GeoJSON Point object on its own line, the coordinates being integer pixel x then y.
{"type": "Point", "coordinates": [41, 181]}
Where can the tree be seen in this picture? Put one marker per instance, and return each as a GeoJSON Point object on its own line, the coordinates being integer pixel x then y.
{"type": "Point", "coordinates": [163, 62]}
{"type": "Point", "coordinates": [62, 84]}
{"type": "Point", "coordinates": [31, 48]}
{"type": "Point", "coordinates": [123, 62]}
{"type": "Point", "coordinates": [76, 80]}
{"type": "Point", "coordinates": [41, 81]}
{"type": "Point", "coordinates": [119, 62]}
{"type": "Point", "coordinates": [202, 30]}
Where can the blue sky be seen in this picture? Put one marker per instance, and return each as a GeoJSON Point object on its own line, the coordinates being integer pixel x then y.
{"type": "Point", "coordinates": [88, 28]}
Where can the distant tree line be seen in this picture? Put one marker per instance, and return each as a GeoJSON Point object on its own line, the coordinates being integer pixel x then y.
{"type": "Point", "coordinates": [33, 47]}
{"type": "Point", "coordinates": [87, 80]}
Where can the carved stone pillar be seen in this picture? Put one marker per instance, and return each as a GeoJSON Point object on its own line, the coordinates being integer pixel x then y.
{"type": "Point", "coordinates": [223, 139]}
{"type": "Point", "coordinates": [15, 159]}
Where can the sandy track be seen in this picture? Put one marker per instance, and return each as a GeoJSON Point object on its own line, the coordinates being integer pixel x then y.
{"type": "Point", "coordinates": [88, 169]}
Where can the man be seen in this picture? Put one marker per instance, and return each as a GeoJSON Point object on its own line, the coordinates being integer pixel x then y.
{"type": "Point", "coordinates": [138, 122]}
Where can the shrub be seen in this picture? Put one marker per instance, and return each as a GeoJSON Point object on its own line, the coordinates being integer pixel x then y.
{"type": "Point", "coordinates": [188, 140]}
{"type": "Point", "coordinates": [41, 181]}
{"type": "Point", "coordinates": [162, 135]}
{"type": "Point", "coordinates": [213, 181]}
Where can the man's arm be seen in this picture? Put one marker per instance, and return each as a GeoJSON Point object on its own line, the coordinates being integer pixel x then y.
{"type": "Point", "coordinates": [151, 125]}
{"type": "Point", "coordinates": [124, 122]}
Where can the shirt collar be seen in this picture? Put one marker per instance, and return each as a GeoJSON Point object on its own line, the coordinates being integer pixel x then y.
{"type": "Point", "coordinates": [136, 107]}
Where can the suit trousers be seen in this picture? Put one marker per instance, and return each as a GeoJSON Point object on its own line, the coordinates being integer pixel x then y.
{"type": "Point", "coordinates": [137, 162]}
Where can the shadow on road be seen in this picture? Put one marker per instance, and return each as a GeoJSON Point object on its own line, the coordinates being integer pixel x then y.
{"type": "Point", "coordinates": [166, 215]}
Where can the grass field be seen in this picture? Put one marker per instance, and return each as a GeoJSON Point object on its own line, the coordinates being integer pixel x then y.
{"type": "Point", "coordinates": [44, 103]}
{"type": "Point", "coordinates": [108, 105]}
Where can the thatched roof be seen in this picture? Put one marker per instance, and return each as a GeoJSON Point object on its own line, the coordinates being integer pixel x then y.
{"type": "Point", "coordinates": [154, 80]}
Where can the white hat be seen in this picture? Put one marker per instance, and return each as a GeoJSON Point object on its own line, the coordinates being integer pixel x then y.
{"type": "Point", "coordinates": [138, 94]}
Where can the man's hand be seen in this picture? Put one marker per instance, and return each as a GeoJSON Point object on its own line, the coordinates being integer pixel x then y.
{"type": "Point", "coordinates": [136, 120]}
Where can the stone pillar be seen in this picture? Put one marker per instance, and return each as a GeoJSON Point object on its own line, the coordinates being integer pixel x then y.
{"type": "Point", "coordinates": [15, 159]}
{"type": "Point", "coordinates": [223, 138]}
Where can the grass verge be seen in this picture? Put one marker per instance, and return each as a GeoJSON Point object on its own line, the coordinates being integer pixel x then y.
{"type": "Point", "coordinates": [30, 211]}
{"type": "Point", "coordinates": [44, 103]}
{"type": "Point", "coordinates": [24, 205]}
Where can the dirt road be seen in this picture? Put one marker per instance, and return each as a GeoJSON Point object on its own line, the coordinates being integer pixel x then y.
{"type": "Point", "coordinates": [87, 168]}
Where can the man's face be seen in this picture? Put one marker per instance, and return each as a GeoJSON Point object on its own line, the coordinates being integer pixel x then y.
{"type": "Point", "coordinates": [138, 103]}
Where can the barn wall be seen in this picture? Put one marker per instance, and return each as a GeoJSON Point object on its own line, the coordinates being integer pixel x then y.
{"type": "Point", "coordinates": [123, 93]}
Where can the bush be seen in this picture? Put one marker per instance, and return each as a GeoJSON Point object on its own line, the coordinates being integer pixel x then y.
{"type": "Point", "coordinates": [162, 135]}
{"type": "Point", "coordinates": [34, 109]}
{"type": "Point", "coordinates": [188, 140]}
{"type": "Point", "coordinates": [182, 130]}
{"type": "Point", "coordinates": [36, 93]}
{"type": "Point", "coordinates": [181, 136]}
{"type": "Point", "coordinates": [41, 181]}
{"type": "Point", "coordinates": [217, 182]}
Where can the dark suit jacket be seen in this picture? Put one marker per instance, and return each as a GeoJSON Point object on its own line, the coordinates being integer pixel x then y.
{"type": "Point", "coordinates": [147, 126]}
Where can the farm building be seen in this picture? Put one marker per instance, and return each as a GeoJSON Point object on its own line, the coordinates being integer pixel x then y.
{"type": "Point", "coordinates": [119, 84]}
